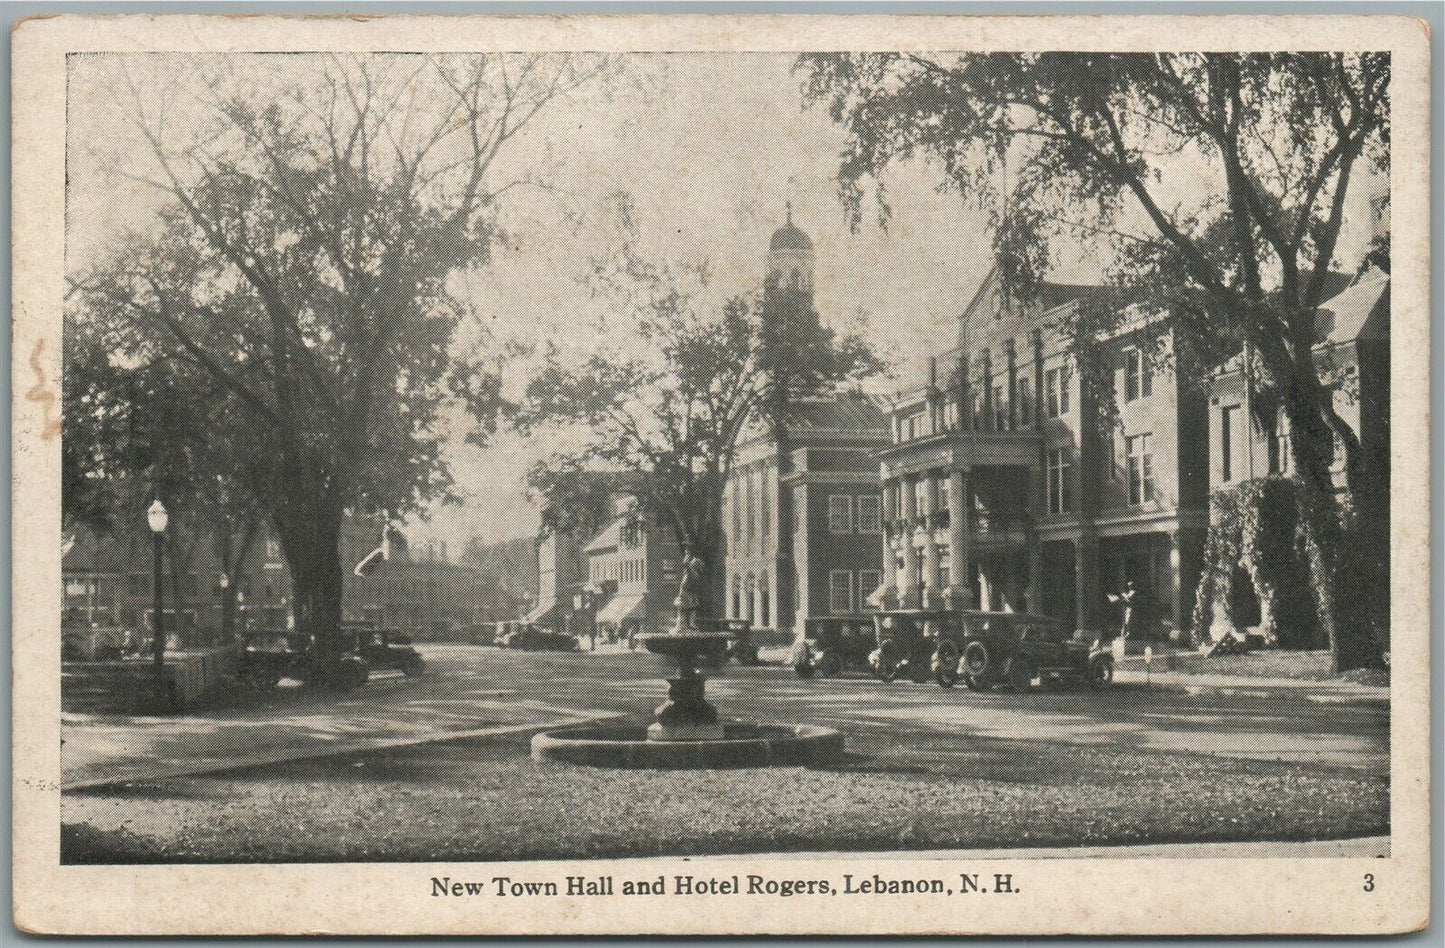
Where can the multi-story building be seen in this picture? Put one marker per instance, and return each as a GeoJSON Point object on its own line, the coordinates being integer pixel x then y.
{"type": "Point", "coordinates": [1002, 490]}
{"type": "Point", "coordinates": [802, 520]}
{"type": "Point", "coordinates": [109, 580]}
{"type": "Point", "coordinates": [633, 572]}
{"type": "Point", "coordinates": [562, 568]}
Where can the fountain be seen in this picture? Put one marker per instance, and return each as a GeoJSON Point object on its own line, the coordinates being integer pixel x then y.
{"type": "Point", "coordinates": [686, 731]}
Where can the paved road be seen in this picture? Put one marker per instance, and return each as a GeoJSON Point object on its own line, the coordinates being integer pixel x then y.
{"type": "Point", "coordinates": [470, 690]}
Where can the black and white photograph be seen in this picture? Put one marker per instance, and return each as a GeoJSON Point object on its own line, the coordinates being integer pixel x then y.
{"type": "Point", "coordinates": [501, 462]}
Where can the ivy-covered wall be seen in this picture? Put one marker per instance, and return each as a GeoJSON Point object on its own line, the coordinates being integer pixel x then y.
{"type": "Point", "coordinates": [1255, 537]}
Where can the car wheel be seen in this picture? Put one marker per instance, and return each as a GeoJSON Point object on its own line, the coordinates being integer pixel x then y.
{"type": "Point", "coordinates": [1020, 674]}
{"type": "Point", "coordinates": [1101, 671]}
{"type": "Point", "coordinates": [885, 666]}
{"type": "Point", "coordinates": [977, 661]}
{"type": "Point", "coordinates": [975, 683]}
{"type": "Point", "coordinates": [918, 669]}
{"type": "Point", "coordinates": [804, 669]}
{"type": "Point", "coordinates": [829, 665]}
{"type": "Point", "coordinates": [945, 663]}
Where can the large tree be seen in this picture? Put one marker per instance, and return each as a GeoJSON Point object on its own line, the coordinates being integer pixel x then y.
{"type": "Point", "coordinates": [664, 413]}
{"type": "Point", "coordinates": [298, 277]}
{"type": "Point", "coordinates": [1214, 185]}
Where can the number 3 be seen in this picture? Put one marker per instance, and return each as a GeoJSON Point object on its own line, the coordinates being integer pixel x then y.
{"type": "Point", "coordinates": [1369, 882]}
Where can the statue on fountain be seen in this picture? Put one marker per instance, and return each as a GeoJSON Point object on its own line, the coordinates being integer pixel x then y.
{"type": "Point", "coordinates": [687, 600]}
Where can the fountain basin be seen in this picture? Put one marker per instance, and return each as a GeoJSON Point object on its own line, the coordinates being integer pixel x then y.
{"type": "Point", "coordinates": [742, 745]}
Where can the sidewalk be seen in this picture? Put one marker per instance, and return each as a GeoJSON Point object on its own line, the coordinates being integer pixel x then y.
{"type": "Point", "coordinates": [1365, 847]}
{"type": "Point", "coordinates": [1324, 692]}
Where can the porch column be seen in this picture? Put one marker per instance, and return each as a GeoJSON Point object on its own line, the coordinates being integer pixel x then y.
{"type": "Point", "coordinates": [1176, 591]}
{"type": "Point", "coordinates": [931, 574]}
{"type": "Point", "coordinates": [1035, 593]}
{"type": "Point", "coordinates": [1086, 583]}
{"type": "Point", "coordinates": [1012, 383]}
{"type": "Point", "coordinates": [908, 582]}
{"type": "Point", "coordinates": [960, 580]}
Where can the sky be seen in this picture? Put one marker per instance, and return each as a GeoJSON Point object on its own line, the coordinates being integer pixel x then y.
{"type": "Point", "coordinates": [710, 148]}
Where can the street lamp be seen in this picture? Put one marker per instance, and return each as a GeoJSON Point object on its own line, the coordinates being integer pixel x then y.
{"type": "Point", "coordinates": [157, 517]}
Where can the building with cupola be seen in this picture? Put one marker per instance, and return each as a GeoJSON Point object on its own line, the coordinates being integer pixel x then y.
{"type": "Point", "coordinates": [801, 516]}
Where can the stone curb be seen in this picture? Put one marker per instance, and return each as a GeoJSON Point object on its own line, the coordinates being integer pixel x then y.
{"type": "Point", "coordinates": [623, 747]}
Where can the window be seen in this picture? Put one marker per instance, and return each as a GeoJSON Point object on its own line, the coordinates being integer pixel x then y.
{"type": "Point", "coordinates": [1138, 374]}
{"type": "Point", "coordinates": [1060, 489]}
{"type": "Point", "coordinates": [1141, 469]}
{"type": "Point", "coordinates": [763, 603]}
{"type": "Point", "coordinates": [1025, 402]}
{"type": "Point", "coordinates": [1056, 384]}
{"type": "Point", "coordinates": [752, 513]}
{"type": "Point", "coordinates": [840, 591]}
{"type": "Point", "coordinates": [669, 570]}
{"type": "Point", "coordinates": [945, 566]}
{"type": "Point", "coordinates": [763, 501]}
{"type": "Point", "coordinates": [915, 425]}
{"type": "Point", "coordinates": [868, 582]}
{"type": "Point", "coordinates": [870, 514]}
{"type": "Point", "coordinates": [1000, 409]}
{"type": "Point", "coordinates": [1226, 442]}
{"type": "Point", "coordinates": [941, 492]}
{"type": "Point", "coordinates": [273, 550]}
{"type": "Point", "coordinates": [737, 511]}
{"type": "Point", "coordinates": [840, 514]}
{"type": "Point", "coordinates": [1280, 459]}
{"type": "Point", "coordinates": [950, 415]}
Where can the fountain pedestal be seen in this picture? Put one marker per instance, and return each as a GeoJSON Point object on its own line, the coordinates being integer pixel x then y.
{"type": "Point", "coordinates": [685, 715]}
{"type": "Point", "coordinates": [687, 732]}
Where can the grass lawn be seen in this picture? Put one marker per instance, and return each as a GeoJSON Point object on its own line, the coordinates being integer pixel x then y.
{"type": "Point", "coordinates": [485, 799]}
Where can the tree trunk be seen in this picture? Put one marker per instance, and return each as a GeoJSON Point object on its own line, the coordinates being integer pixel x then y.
{"type": "Point", "coordinates": [310, 537]}
{"type": "Point", "coordinates": [1352, 645]}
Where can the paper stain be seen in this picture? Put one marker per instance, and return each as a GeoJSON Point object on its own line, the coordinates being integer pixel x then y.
{"type": "Point", "coordinates": [43, 393]}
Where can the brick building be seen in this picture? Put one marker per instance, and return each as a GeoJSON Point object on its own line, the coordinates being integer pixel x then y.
{"type": "Point", "coordinates": [633, 572]}
{"type": "Point", "coordinates": [801, 515]}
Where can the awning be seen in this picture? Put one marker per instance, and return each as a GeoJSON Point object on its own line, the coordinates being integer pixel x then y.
{"type": "Point", "coordinates": [542, 613]}
{"type": "Point", "coordinates": [622, 608]}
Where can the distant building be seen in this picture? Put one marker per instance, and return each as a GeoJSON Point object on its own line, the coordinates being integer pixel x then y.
{"type": "Point", "coordinates": [633, 572]}
{"type": "Point", "coordinates": [562, 567]}
{"type": "Point", "coordinates": [108, 581]}
{"type": "Point", "coordinates": [802, 522]}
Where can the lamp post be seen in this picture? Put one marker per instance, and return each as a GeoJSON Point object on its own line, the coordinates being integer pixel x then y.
{"type": "Point", "coordinates": [157, 517]}
{"type": "Point", "coordinates": [228, 636]}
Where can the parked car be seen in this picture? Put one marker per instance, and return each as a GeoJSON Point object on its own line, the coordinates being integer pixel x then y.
{"type": "Point", "coordinates": [268, 655]}
{"type": "Point", "coordinates": [1012, 649]}
{"type": "Point", "coordinates": [918, 643]}
{"type": "Point", "coordinates": [831, 645]}
{"type": "Point", "coordinates": [742, 648]}
{"type": "Point", "coordinates": [536, 638]}
{"type": "Point", "coordinates": [385, 648]}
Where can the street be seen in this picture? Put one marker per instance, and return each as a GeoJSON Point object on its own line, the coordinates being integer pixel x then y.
{"type": "Point", "coordinates": [1135, 764]}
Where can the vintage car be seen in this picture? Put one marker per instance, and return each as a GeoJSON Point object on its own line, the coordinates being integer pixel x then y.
{"type": "Point", "coordinates": [384, 648]}
{"type": "Point", "coordinates": [830, 645]}
{"type": "Point", "coordinates": [1014, 648]}
{"type": "Point", "coordinates": [268, 655]}
{"type": "Point", "coordinates": [918, 643]}
{"type": "Point", "coordinates": [536, 638]}
{"type": "Point", "coordinates": [742, 648]}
